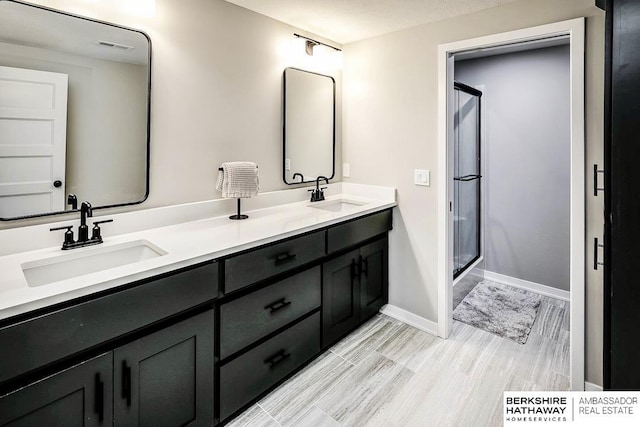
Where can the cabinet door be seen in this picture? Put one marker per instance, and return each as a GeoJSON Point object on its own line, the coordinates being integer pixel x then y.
{"type": "Point", "coordinates": [374, 278]}
{"type": "Point", "coordinates": [622, 204]}
{"type": "Point", "coordinates": [78, 396]}
{"type": "Point", "coordinates": [166, 378]}
{"type": "Point", "coordinates": [340, 296]}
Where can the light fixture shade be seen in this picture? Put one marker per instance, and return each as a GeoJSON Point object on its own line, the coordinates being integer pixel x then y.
{"type": "Point", "coordinates": [309, 47]}
{"type": "Point", "coordinates": [313, 55]}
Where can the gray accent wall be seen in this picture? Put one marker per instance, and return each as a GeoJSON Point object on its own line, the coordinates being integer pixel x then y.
{"type": "Point", "coordinates": [526, 161]}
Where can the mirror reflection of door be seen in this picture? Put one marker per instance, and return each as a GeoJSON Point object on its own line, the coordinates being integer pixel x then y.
{"type": "Point", "coordinates": [33, 126]}
{"type": "Point", "coordinates": [108, 71]}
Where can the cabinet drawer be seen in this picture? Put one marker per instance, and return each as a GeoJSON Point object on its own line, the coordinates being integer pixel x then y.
{"type": "Point", "coordinates": [253, 316]}
{"type": "Point", "coordinates": [245, 378]}
{"type": "Point", "coordinates": [352, 232]}
{"type": "Point", "coordinates": [37, 342]}
{"type": "Point", "coordinates": [251, 267]}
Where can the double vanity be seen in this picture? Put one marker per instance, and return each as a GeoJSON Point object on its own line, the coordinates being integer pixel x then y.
{"type": "Point", "coordinates": [176, 315]}
{"type": "Point", "coordinates": [188, 323]}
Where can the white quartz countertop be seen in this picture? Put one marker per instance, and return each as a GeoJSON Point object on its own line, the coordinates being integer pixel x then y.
{"type": "Point", "coordinates": [185, 244]}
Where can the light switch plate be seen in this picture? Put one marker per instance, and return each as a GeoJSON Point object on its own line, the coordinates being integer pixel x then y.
{"type": "Point", "coordinates": [346, 170]}
{"type": "Point", "coordinates": [421, 177]}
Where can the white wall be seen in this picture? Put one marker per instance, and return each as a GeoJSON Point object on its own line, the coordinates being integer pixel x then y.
{"type": "Point", "coordinates": [526, 158]}
{"type": "Point", "coordinates": [216, 91]}
{"type": "Point", "coordinates": [390, 128]}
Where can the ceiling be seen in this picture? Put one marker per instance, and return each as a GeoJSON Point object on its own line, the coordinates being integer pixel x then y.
{"type": "Point", "coordinates": [346, 21]}
{"type": "Point", "coordinates": [40, 28]}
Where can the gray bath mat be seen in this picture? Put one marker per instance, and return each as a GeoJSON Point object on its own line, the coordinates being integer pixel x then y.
{"type": "Point", "coordinates": [500, 309]}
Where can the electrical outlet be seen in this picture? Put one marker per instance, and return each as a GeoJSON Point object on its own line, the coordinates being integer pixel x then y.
{"type": "Point", "coordinates": [346, 170]}
{"type": "Point", "coordinates": [287, 164]}
{"type": "Point", "coordinates": [421, 177]}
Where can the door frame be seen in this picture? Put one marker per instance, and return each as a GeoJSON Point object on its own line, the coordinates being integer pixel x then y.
{"type": "Point", "coordinates": [574, 29]}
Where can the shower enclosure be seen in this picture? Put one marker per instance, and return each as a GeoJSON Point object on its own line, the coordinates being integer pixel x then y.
{"type": "Point", "coordinates": [466, 178]}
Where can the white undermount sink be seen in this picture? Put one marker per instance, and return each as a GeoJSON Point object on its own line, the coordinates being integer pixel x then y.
{"type": "Point", "coordinates": [87, 261]}
{"type": "Point", "coordinates": [339, 205]}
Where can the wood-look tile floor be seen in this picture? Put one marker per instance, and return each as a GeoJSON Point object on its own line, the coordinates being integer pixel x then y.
{"type": "Point", "coordinates": [387, 373]}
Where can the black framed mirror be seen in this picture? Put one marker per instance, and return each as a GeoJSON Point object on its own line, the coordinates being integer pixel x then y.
{"type": "Point", "coordinates": [309, 126]}
{"type": "Point", "coordinates": [74, 112]}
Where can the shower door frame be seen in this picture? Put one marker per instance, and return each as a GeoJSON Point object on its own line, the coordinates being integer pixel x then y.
{"type": "Point", "coordinates": [574, 29]}
{"type": "Point", "coordinates": [474, 92]}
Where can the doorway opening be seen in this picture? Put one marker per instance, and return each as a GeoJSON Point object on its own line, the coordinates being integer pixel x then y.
{"type": "Point", "coordinates": [462, 178]}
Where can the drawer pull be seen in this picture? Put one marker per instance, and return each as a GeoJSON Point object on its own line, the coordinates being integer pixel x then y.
{"type": "Point", "coordinates": [98, 404]}
{"type": "Point", "coordinates": [364, 266]}
{"type": "Point", "coordinates": [286, 257]}
{"type": "Point", "coordinates": [356, 270]}
{"type": "Point", "coordinates": [277, 305]}
{"type": "Point", "coordinates": [277, 358]}
{"type": "Point", "coordinates": [126, 382]}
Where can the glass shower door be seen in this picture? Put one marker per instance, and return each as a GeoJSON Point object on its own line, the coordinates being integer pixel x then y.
{"type": "Point", "coordinates": [467, 177]}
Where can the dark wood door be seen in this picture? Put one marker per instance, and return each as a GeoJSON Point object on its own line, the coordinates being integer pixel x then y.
{"type": "Point", "coordinates": [622, 204]}
{"type": "Point", "coordinates": [166, 378]}
{"type": "Point", "coordinates": [374, 278]}
{"type": "Point", "coordinates": [78, 396]}
{"type": "Point", "coordinates": [340, 297]}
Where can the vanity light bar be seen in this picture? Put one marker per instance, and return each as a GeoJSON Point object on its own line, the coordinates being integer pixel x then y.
{"type": "Point", "coordinates": [315, 42]}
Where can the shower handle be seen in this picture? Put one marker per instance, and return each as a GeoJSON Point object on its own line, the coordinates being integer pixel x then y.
{"type": "Point", "coordinates": [466, 178]}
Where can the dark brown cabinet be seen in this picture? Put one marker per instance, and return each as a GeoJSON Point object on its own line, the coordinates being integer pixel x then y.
{"type": "Point", "coordinates": [196, 346]}
{"type": "Point", "coordinates": [262, 263]}
{"type": "Point", "coordinates": [621, 201]}
{"type": "Point", "coordinates": [78, 396]}
{"type": "Point", "coordinates": [354, 288]}
{"type": "Point", "coordinates": [374, 277]}
{"type": "Point", "coordinates": [45, 339]}
{"type": "Point", "coordinates": [340, 296]}
{"type": "Point", "coordinates": [166, 378]}
{"type": "Point", "coordinates": [249, 375]}
{"type": "Point", "coordinates": [282, 317]}
{"type": "Point", "coordinates": [245, 320]}
{"type": "Point", "coordinates": [265, 336]}
{"type": "Point", "coordinates": [162, 379]}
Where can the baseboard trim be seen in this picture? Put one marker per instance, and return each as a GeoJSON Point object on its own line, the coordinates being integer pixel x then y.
{"type": "Point", "coordinates": [591, 386]}
{"type": "Point", "coordinates": [530, 286]}
{"type": "Point", "coordinates": [410, 319]}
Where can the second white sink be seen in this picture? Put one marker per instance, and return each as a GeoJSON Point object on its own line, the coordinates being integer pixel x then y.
{"type": "Point", "coordinates": [340, 205]}
{"type": "Point", "coordinates": [87, 261]}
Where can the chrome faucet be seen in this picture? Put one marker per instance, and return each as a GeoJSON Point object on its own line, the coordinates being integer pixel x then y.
{"type": "Point", "coordinates": [86, 211]}
{"type": "Point", "coordinates": [317, 195]}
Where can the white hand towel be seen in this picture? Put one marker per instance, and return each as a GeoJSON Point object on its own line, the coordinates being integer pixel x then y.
{"type": "Point", "coordinates": [238, 180]}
